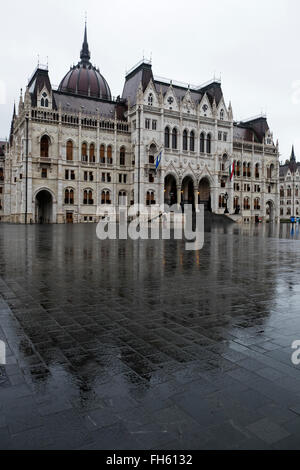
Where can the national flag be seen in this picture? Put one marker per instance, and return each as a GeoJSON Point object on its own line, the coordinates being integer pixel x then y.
{"type": "Point", "coordinates": [158, 161]}
{"type": "Point", "coordinates": [231, 171]}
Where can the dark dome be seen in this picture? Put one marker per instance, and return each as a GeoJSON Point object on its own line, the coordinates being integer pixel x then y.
{"type": "Point", "coordinates": [84, 79]}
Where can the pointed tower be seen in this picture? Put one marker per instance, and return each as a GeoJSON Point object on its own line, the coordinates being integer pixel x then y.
{"type": "Point", "coordinates": [85, 54]}
{"type": "Point", "coordinates": [293, 157]}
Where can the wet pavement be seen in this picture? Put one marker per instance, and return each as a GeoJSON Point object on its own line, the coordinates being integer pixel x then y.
{"type": "Point", "coordinates": [143, 345]}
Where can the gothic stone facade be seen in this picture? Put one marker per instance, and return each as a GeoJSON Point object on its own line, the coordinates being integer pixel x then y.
{"type": "Point", "coordinates": [75, 151]}
{"type": "Point", "coordinates": [289, 188]}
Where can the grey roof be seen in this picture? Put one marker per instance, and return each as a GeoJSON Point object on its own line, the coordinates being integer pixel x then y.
{"type": "Point", "coordinates": [143, 74]}
{"type": "Point", "coordinates": [254, 129]}
{"type": "Point", "coordinates": [74, 103]}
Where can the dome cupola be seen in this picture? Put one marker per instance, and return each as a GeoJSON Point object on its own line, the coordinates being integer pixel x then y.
{"type": "Point", "coordinates": [84, 79]}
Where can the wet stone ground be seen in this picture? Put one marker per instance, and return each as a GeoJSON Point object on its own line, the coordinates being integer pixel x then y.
{"type": "Point", "coordinates": [143, 345]}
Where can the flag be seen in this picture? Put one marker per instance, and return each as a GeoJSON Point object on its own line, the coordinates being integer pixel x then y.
{"type": "Point", "coordinates": [158, 160]}
{"type": "Point", "coordinates": [231, 171]}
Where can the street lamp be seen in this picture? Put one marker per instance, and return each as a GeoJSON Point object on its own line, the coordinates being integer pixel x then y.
{"type": "Point", "coordinates": [226, 197]}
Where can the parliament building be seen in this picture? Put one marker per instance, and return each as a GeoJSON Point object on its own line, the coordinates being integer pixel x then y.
{"type": "Point", "coordinates": [74, 151]}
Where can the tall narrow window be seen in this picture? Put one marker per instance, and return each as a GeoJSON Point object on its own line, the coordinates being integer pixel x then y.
{"type": "Point", "coordinates": [208, 144]}
{"type": "Point", "coordinates": [167, 138]}
{"type": "Point", "coordinates": [122, 156]}
{"type": "Point", "coordinates": [174, 139]}
{"type": "Point", "coordinates": [109, 155]}
{"type": "Point", "coordinates": [85, 197]}
{"type": "Point", "coordinates": [192, 141]}
{"type": "Point", "coordinates": [69, 150]}
{"type": "Point", "coordinates": [92, 153]}
{"type": "Point", "coordinates": [185, 140]}
{"type": "Point", "coordinates": [45, 147]}
{"type": "Point", "coordinates": [222, 115]}
{"type": "Point", "coordinates": [202, 143]}
{"type": "Point", "coordinates": [84, 152]}
{"type": "Point", "coordinates": [102, 154]}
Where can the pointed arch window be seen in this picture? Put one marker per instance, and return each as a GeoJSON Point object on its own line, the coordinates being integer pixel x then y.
{"type": "Point", "coordinates": [257, 170]}
{"type": "Point", "coordinates": [185, 140]}
{"type": "Point", "coordinates": [69, 196]}
{"type": "Point", "coordinates": [105, 197]}
{"type": "Point", "coordinates": [208, 144]}
{"type": "Point", "coordinates": [152, 154]}
{"type": "Point", "coordinates": [88, 197]}
{"type": "Point", "coordinates": [222, 115]}
{"type": "Point", "coordinates": [69, 150]}
{"type": "Point", "coordinates": [122, 156]}
{"type": "Point", "coordinates": [174, 139]}
{"type": "Point", "coordinates": [102, 154]}
{"type": "Point", "coordinates": [192, 141]}
{"type": "Point", "coordinates": [84, 152]}
{"type": "Point", "coordinates": [150, 198]}
{"type": "Point", "coordinates": [202, 143]}
{"type": "Point", "coordinates": [92, 153]}
{"type": "Point", "coordinates": [109, 155]}
{"type": "Point", "coordinates": [167, 138]}
{"type": "Point", "coordinates": [45, 146]}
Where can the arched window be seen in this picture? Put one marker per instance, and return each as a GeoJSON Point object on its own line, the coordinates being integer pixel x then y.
{"type": "Point", "coordinates": [236, 202]}
{"type": "Point", "coordinates": [257, 204]}
{"type": "Point", "coordinates": [109, 155]}
{"type": "Point", "coordinates": [185, 140]}
{"type": "Point", "coordinates": [150, 198]}
{"type": "Point", "coordinates": [202, 142]}
{"type": "Point", "coordinates": [45, 146]}
{"type": "Point", "coordinates": [92, 153]}
{"type": "Point", "coordinates": [246, 204]}
{"type": "Point", "coordinates": [281, 191]}
{"type": "Point", "coordinates": [69, 196]}
{"type": "Point", "coordinates": [69, 150]}
{"type": "Point", "coordinates": [84, 152]}
{"type": "Point", "coordinates": [222, 115]}
{"type": "Point", "coordinates": [88, 197]}
{"type": "Point", "coordinates": [44, 100]}
{"type": "Point", "coordinates": [244, 169]}
{"type": "Point", "coordinates": [102, 153]}
{"type": "Point", "coordinates": [257, 170]}
{"type": "Point", "coordinates": [289, 192]}
{"type": "Point", "coordinates": [271, 171]}
{"type": "Point", "coordinates": [297, 191]}
{"type": "Point", "coordinates": [238, 169]}
{"type": "Point", "coordinates": [152, 154]}
{"type": "Point", "coordinates": [192, 141]}
{"type": "Point", "coordinates": [222, 201]}
{"type": "Point", "coordinates": [167, 138]}
{"type": "Point", "coordinates": [105, 197]}
{"type": "Point", "coordinates": [150, 99]}
{"type": "Point", "coordinates": [249, 170]}
{"type": "Point", "coordinates": [208, 144]}
{"type": "Point", "coordinates": [174, 139]}
{"type": "Point", "coordinates": [122, 156]}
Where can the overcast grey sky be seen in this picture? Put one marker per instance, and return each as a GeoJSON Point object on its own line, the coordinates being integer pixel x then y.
{"type": "Point", "coordinates": [253, 45]}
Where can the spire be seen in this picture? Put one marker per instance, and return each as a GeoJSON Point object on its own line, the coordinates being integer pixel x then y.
{"type": "Point", "coordinates": [85, 53]}
{"type": "Point", "coordinates": [293, 158]}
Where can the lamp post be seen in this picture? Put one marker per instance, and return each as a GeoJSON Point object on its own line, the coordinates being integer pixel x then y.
{"type": "Point", "coordinates": [226, 197]}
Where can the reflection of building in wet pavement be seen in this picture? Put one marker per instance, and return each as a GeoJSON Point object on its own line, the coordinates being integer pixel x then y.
{"type": "Point", "coordinates": [108, 332]}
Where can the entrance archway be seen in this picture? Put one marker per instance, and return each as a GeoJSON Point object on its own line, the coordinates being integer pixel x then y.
{"type": "Point", "coordinates": [170, 190]}
{"type": "Point", "coordinates": [44, 207]}
{"type": "Point", "coordinates": [187, 190]}
{"type": "Point", "coordinates": [204, 194]}
{"type": "Point", "coordinates": [270, 211]}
